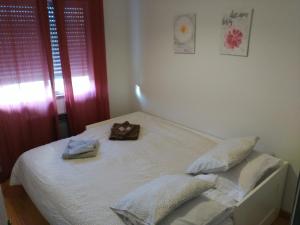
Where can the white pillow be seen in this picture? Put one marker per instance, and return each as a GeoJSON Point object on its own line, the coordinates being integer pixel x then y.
{"type": "Point", "coordinates": [255, 169]}
{"type": "Point", "coordinates": [200, 210]}
{"type": "Point", "coordinates": [153, 201]}
{"type": "Point", "coordinates": [224, 156]}
{"type": "Point", "coordinates": [212, 178]}
{"type": "Point", "coordinates": [239, 181]}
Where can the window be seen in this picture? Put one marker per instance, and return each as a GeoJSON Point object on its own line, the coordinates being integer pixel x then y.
{"type": "Point", "coordinates": [75, 25]}
{"type": "Point", "coordinates": [69, 36]}
{"type": "Point", "coordinates": [77, 33]}
{"type": "Point", "coordinates": [58, 76]}
{"type": "Point", "coordinates": [19, 34]}
{"type": "Point", "coordinates": [23, 64]}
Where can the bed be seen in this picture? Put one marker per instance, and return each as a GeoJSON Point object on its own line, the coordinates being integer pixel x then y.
{"type": "Point", "coordinates": [80, 191]}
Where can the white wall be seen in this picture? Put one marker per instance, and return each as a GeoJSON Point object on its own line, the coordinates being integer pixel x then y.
{"type": "Point", "coordinates": [226, 96]}
{"type": "Point", "coordinates": [116, 18]}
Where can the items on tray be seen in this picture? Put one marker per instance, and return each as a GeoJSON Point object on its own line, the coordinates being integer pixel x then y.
{"type": "Point", "coordinates": [78, 149]}
{"type": "Point", "coordinates": [124, 131]}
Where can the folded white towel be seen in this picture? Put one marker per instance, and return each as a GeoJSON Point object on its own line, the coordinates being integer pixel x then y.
{"type": "Point", "coordinates": [77, 149]}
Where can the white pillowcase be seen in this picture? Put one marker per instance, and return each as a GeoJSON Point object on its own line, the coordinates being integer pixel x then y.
{"type": "Point", "coordinates": [153, 201]}
{"type": "Point", "coordinates": [200, 210]}
{"type": "Point", "coordinates": [224, 156]}
{"type": "Point", "coordinates": [212, 178]}
{"type": "Point", "coordinates": [256, 168]}
{"type": "Point", "coordinates": [242, 179]}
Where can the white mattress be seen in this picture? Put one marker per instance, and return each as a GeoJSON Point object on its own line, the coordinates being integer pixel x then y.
{"type": "Point", "coordinates": [81, 191]}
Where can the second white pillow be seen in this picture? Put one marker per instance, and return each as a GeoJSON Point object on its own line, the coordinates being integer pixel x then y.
{"type": "Point", "coordinates": [224, 156]}
{"type": "Point", "coordinates": [153, 201]}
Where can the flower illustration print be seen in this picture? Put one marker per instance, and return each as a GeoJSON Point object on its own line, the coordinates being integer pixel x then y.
{"type": "Point", "coordinates": [233, 39]}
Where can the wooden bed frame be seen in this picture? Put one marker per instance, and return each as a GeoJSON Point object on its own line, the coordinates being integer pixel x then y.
{"type": "Point", "coordinates": [262, 205]}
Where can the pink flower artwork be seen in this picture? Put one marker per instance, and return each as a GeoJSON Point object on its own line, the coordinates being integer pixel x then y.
{"type": "Point", "coordinates": [233, 38]}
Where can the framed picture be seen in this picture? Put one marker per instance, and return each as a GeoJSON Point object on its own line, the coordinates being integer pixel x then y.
{"type": "Point", "coordinates": [184, 33]}
{"type": "Point", "coordinates": [235, 32]}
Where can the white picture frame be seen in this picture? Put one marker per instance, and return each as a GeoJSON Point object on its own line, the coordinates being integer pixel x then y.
{"type": "Point", "coordinates": [235, 32]}
{"type": "Point", "coordinates": [184, 34]}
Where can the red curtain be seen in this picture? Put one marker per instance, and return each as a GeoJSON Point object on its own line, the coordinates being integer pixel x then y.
{"type": "Point", "coordinates": [27, 109]}
{"type": "Point", "coordinates": [80, 26]}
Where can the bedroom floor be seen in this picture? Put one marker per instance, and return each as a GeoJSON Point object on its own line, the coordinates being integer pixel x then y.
{"type": "Point", "coordinates": [22, 211]}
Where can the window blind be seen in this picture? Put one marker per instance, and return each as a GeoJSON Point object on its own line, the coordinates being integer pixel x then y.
{"type": "Point", "coordinates": [75, 18]}
{"type": "Point", "coordinates": [58, 76]}
{"type": "Point", "coordinates": [54, 42]}
{"type": "Point", "coordinates": [21, 59]}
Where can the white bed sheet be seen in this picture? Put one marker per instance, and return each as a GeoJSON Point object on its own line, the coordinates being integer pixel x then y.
{"type": "Point", "coordinates": [81, 191]}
